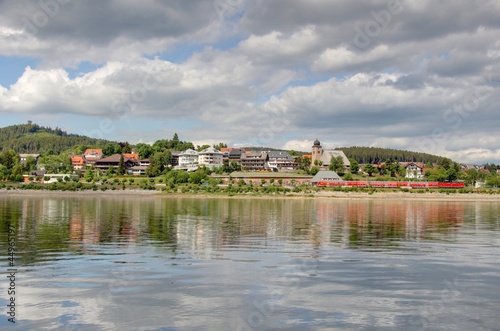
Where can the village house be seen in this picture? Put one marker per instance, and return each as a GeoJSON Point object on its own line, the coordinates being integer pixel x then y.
{"type": "Point", "coordinates": [140, 168]}
{"type": "Point", "coordinates": [281, 161]}
{"type": "Point", "coordinates": [24, 157]}
{"type": "Point", "coordinates": [132, 156]}
{"type": "Point", "coordinates": [325, 176]}
{"type": "Point", "coordinates": [78, 162]}
{"type": "Point", "coordinates": [137, 170]}
{"type": "Point", "coordinates": [253, 161]}
{"type": "Point", "coordinates": [232, 154]}
{"type": "Point", "coordinates": [175, 158]}
{"type": "Point", "coordinates": [210, 157]}
{"type": "Point", "coordinates": [91, 155]}
{"type": "Point", "coordinates": [113, 161]}
{"type": "Point", "coordinates": [413, 170]}
{"type": "Point", "coordinates": [188, 160]}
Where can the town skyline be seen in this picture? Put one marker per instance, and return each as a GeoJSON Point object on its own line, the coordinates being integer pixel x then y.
{"type": "Point", "coordinates": [407, 75]}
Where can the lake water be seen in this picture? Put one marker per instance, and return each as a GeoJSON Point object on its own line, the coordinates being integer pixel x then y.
{"type": "Point", "coordinates": [150, 263]}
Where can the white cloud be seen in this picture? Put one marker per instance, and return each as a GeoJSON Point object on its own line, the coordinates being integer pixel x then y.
{"type": "Point", "coordinates": [268, 72]}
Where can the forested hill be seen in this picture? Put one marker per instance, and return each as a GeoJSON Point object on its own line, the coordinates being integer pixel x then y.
{"type": "Point", "coordinates": [32, 138]}
{"type": "Point", "coordinates": [377, 155]}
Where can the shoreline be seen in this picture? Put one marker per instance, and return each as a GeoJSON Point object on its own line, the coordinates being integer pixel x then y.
{"type": "Point", "coordinates": [139, 193]}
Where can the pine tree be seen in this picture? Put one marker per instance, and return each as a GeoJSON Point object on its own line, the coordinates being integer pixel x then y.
{"type": "Point", "coordinates": [121, 166]}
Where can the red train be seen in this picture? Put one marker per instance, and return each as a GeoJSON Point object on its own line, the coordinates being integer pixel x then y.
{"type": "Point", "coordinates": [378, 184]}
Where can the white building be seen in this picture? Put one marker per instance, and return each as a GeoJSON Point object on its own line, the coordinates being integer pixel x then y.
{"type": "Point", "coordinates": [188, 160]}
{"type": "Point", "coordinates": [414, 170]}
{"type": "Point", "coordinates": [211, 158]}
{"type": "Point", "coordinates": [281, 160]}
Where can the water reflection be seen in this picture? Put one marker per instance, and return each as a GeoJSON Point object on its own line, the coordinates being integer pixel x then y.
{"type": "Point", "coordinates": [210, 224]}
{"type": "Point", "coordinates": [254, 264]}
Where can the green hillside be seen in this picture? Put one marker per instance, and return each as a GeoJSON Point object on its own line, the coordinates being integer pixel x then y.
{"type": "Point", "coordinates": [32, 138]}
{"type": "Point", "coordinates": [378, 155]}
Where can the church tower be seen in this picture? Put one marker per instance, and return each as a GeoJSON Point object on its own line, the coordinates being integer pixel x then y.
{"type": "Point", "coordinates": [317, 152]}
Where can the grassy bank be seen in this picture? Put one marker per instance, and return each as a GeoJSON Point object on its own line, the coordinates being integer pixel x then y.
{"type": "Point", "coordinates": [231, 190]}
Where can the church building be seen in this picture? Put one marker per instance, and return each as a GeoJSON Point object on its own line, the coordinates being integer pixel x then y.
{"type": "Point", "coordinates": [321, 158]}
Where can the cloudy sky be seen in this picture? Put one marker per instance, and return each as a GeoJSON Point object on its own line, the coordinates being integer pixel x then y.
{"type": "Point", "coordinates": [411, 74]}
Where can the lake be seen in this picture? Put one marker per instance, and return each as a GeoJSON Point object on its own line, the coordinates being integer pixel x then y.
{"type": "Point", "coordinates": [157, 263]}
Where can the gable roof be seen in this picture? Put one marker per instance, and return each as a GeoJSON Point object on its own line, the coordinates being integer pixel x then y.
{"type": "Point", "coordinates": [210, 150]}
{"type": "Point", "coordinates": [407, 164]}
{"type": "Point", "coordinates": [134, 156]}
{"type": "Point", "coordinates": [77, 159]}
{"type": "Point", "coordinates": [115, 158]}
{"type": "Point", "coordinates": [329, 153]}
{"type": "Point", "coordinates": [280, 155]}
{"type": "Point", "coordinates": [188, 152]}
{"type": "Point", "coordinates": [251, 155]}
{"type": "Point", "coordinates": [326, 175]}
{"type": "Point", "coordinates": [35, 156]}
{"type": "Point", "coordinates": [93, 151]}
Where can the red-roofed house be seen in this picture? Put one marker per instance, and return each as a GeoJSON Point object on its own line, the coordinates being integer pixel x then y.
{"type": "Point", "coordinates": [78, 162]}
{"type": "Point", "coordinates": [134, 156]}
{"type": "Point", "coordinates": [92, 154]}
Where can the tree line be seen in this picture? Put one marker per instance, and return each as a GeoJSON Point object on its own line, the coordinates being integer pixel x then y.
{"type": "Point", "coordinates": [376, 155]}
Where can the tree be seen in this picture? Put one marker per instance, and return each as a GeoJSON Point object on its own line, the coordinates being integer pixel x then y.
{"type": "Point", "coordinates": [493, 180]}
{"type": "Point", "coordinates": [219, 146]}
{"type": "Point", "coordinates": [472, 176]}
{"type": "Point", "coordinates": [110, 149]}
{"type": "Point", "coordinates": [121, 166]}
{"type": "Point", "coordinates": [4, 172]}
{"type": "Point", "coordinates": [314, 171]}
{"type": "Point", "coordinates": [354, 166]}
{"type": "Point", "coordinates": [202, 147]}
{"type": "Point", "coordinates": [234, 166]}
{"type": "Point", "coordinates": [452, 172]}
{"type": "Point", "coordinates": [402, 171]}
{"type": "Point", "coordinates": [392, 167]}
{"type": "Point", "coordinates": [66, 166]}
{"type": "Point", "coordinates": [337, 165]}
{"type": "Point", "coordinates": [157, 163]}
{"type": "Point", "coordinates": [110, 171]}
{"type": "Point", "coordinates": [9, 159]}
{"type": "Point", "coordinates": [17, 170]}
{"type": "Point", "coordinates": [446, 163]}
{"type": "Point", "coordinates": [303, 163]}
{"type": "Point", "coordinates": [438, 175]}
{"type": "Point", "coordinates": [369, 169]}
{"type": "Point", "coordinates": [124, 148]}
{"type": "Point", "coordinates": [197, 177]}
{"type": "Point", "coordinates": [347, 176]}
{"type": "Point", "coordinates": [30, 164]}
{"type": "Point", "coordinates": [167, 158]}
{"type": "Point", "coordinates": [144, 150]}
{"type": "Point", "coordinates": [89, 175]}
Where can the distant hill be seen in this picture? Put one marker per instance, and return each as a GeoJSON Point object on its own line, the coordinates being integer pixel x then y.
{"type": "Point", "coordinates": [32, 138]}
{"type": "Point", "coordinates": [378, 155]}
{"type": "Point", "coordinates": [262, 149]}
